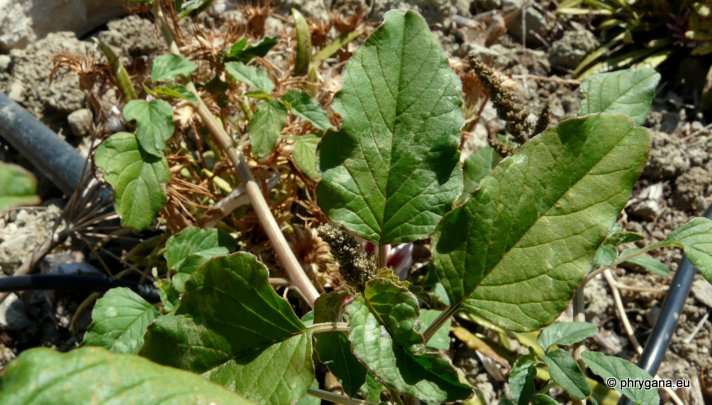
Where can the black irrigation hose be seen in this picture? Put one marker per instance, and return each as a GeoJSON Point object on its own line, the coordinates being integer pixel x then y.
{"type": "Point", "coordinates": [55, 158]}
{"type": "Point", "coordinates": [659, 340]}
{"type": "Point", "coordinates": [75, 282]}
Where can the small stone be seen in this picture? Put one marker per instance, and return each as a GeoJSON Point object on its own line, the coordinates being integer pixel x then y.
{"type": "Point", "coordinates": [668, 157]}
{"type": "Point", "coordinates": [80, 122]}
{"type": "Point", "coordinates": [568, 51]}
{"type": "Point", "coordinates": [535, 23]}
{"type": "Point", "coordinates": [702, 291]}
{"type": "Point", "coordinates": [691, 189]}
{"type": "Point", "coordinates": [5, 61]}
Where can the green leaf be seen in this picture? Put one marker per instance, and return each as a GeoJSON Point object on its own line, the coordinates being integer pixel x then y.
{"type": "Point", "coordinates": [565, 333]}
{"type": "Point", "coordinates": [333, 348]}
{"type": "Point", "coordinates": [441, 338]}
{"type": "Point", "coordinates": [613, 370]}
{"type": "Point", "coordinates": [396, 308]}
{"type": "Point", "coordinates": [175, 91]}
{"type": "Point", "coordinates": [428, 377]}
{"type": "Point", "coordinates": [304, 155]}
{"type": "Point", "coordinates": [188, 250]}
{"type": "Point", "coordinates": [265, 126]}
{"type": "Point", "coordinates": [518, 249]}
{"type": "Point", "coordinates": [606, 255]}
{"type": "Point", "coordinates": [627, 91]}
{"type": "Point", "coordinates": [392, 170]}
{"type": "Point", "coordinates": [168, 67]}
{"type": "Point", "coordinates": [234, 329]}
{"type": "Point", "coordinates": [17, 187]}
{"type": "Point", "coordinates": [119, 321]}
{"type": "Point", "coordinates": [695, 238]}
{"type": "Point", "coordinates": [301, 105]}
{"type": "Point", "coordinates": [94, 375]}
{"type": "Point", "coordinates": [187, 8]}
{"type": "Point", "coordinates": [522, 379]}
{"type": "Point", "coordinates": [154, 123]}
{"type": "Point", "coordinates": [565, 372]}
{"type": "Point", "coordinates": [242, 52]}
{"type": "Point", "coordinates": [255, 77]}
{"type": "Point", "coordinates": [543, 399]}
{"type": "Point", "coordinates": [477, 166]}
{"type": "Point", "coordinates": [649, 263]}
{"type": "Point", "coordinates": [138, 179]}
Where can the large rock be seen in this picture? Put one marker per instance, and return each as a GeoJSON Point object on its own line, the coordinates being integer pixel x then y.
{"type": "Point", "coordinates": [25, 21]}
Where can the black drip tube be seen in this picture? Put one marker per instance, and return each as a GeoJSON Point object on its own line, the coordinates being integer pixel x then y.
{"type": "Point", "coordinates": [75, 282]}
{"type": "Point", "coordinates": [660, 338]}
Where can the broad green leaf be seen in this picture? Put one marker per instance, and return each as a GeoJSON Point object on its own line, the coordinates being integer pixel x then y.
{"type": "Point", "coordinates": [175, 91]}
{"type": "Point", "coordinates": [477, 166]}
{"type": "Point", "coordinates": [516, 251]}
{"type": "Point", "coordinates": [606, 255]}
{"type": "Point", "coordinates": [188, 250]}
{"type": "Point", "coordinates": [255, 77]}
{"type": "Point", "coordinates": [628, 91]}
{"type": "Point", "coordinates": [234, 329]}
{"type": "Point", "coordinates": [695, 238]}
{"type": "Point", "coordinates": [522, 379]}
{"type": "Point", "coordinates": [304, 155]}
{"type": "Point", "coordinates": [565, 372]}
{"type": "Point", "coordinates": [92, 375]}
{"type": "Point", "coordinates": [168, 67]}
{"type": "Point", "coordinates": [441, 338]}
{"type": "Point", "coordinates": [334, 349]}
{"type": "Point", "coordinates": [565, 333]}
{"type": "Point", "coordinates": [265, 126]}
{"type": "Point", "coordinates": [138, 179]}
{"type": "Point", "coordinates": [649, 263]}
{"type": "Point", "coordinates": [617, 236]}
{"type": "Point", "coordinates": [281, 374]}
{"type": "Point", "coordinates": [242, 52]}
{"type": "Point", "coordinates": [154, 123]}
{"type": "Point", "coordinates": [391, 171]}
{"type": "Point", "coordinates": [428, 377]}
{"type": "Point", "coordinates": [613, 370]}
{"type": "Point", "coordinates": [119, 321]}
{"type": "Point", "coordinates": [396, 308]}
{"type": "Point", "coordinates": [543, 399]}
{"type": "Point", "coordinates": [301, 105]}
{"type": "Point", "coordinates": [17, 187]}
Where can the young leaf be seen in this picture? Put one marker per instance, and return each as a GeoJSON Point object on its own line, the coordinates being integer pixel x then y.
{"type": "Point", "coordinates": [396, 308]}
{"type": "Point", "coordinates": [154, 123]}
{"type": "Point", "coordinates": [93, 375]}
{"type": "Point", "coordinates": [265, 126]}
{"type": "Point", "coordinates": [138, 179]}
{"type": "Point", "coordinates": [301, 105]}
{"type": "Point", "coordinates": [441, 338]}
{"type": "Point", "coordinates": [119, 321]}
{"type": "Point", "coordinates": [304, 155]}
{"type": "Point", "coordinates": [175, 91]}
{"type": "Point", "coordinates": [242, 52]}
{"type": "Point", "coordinates": [188, 250]}
{"type": "Point", "coordinates": [613, 370]}
{"type": "Point", "coordinates": [543, 399]}
{"type": "Point", "coordinates": [392, 171]}
{"type": "Point", "coordinates": [695, 238]}
{"type": "Point", "coordinates": [522, 379]}
{"type": "Point", "coordinates": [565, 333]}
{"type": "Point", "coordinates": [168, 67]}
{"type": "Point", "coordinates": [477, 166]}
{"type": "Point", "coordinates": [235, 330]}
{"type": "Point", "coordinates": [255, 77]}
{"type": "Point", "coordinates": [334, 349]}
{"type": "Point", "coordinates": [516, 251]}
{"type": "Point", "coordinates": [606, 255]}
{"type": "Point", "coordinates": [565, 372]}
{"type": "Point", "coordinates": [625, 91]}
{"type": "Point", "coordinates": [17, 187]}
{"type": "Point", "coordinates": [304, 46]}
{"type": "Point", "coordinates": [653, 265]}
{"type": "Point", "coordinates": [428, 377]}
{"type": "Point", "coordinates": [187, 8]}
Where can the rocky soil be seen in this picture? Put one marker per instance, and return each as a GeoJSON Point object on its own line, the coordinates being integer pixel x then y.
{"type": "Point", "coordinates": [674, 187]}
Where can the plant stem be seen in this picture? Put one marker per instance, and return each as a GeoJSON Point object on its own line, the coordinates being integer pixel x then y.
{"type": "Point", "coordinates": [336, 398]}
{"type": "Point", "coordinates": [382, 256]}
{"type": "Point", "coordinates": [329, 327]}
{"type": "Point", "coordinates": [284, 253]}
{"type": "Point", "coordinates": [439, 322]}
{"type": "Point", "coordinates": [579, 316]}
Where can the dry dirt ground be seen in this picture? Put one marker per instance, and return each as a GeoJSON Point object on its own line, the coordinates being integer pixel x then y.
{"type": "Point", "coordinates": [674, 187]}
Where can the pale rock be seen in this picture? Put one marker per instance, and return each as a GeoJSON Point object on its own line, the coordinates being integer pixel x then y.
{"type": "Point", "coordinates": [80, 122]}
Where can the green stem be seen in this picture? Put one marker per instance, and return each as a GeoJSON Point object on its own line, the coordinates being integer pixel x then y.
{"type": "Point", "coordinates": [329, 327]}
{"type": "Point", "coordinates": [336, 398]}
{"type": "Point", "coordinates": [625, 258]}
{"type": "Point", "coordinates": [439, 322]}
